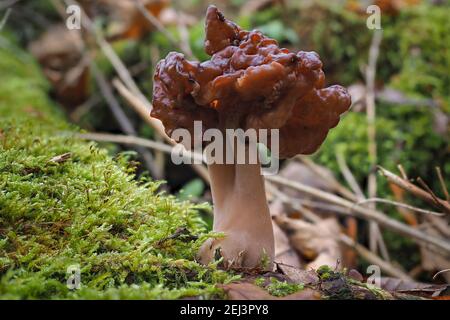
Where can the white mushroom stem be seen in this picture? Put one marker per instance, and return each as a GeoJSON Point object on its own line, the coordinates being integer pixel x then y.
{"type": "Point", "coordinates": [242, 214]}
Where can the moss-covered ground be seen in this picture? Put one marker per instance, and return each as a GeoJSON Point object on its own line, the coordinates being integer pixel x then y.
{"type": "Point", "coordinates": [85, 209]}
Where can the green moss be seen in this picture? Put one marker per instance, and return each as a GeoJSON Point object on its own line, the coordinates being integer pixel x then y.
{"type": "Point", "coordinates": [89, 210]}
{"type": "Point", "coordinates": [423, 42]}
{"type": "Point", "coordinates": [325, 272]}
{"type": "Point", "coordinates": [278, 288]}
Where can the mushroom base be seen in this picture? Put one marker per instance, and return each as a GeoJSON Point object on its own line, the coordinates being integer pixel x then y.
{"type": "Point", "coordinates": [241, 213]}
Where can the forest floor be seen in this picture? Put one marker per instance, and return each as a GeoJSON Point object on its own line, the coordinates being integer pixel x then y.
{"type": "Point", "coordinates": [67, 205]}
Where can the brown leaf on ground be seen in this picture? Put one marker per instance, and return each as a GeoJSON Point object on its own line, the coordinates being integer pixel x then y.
{"type": "Point", "coordinates": [307, 277]}
{"type": "Point", "coordinates": [412, 287]}
{"type": "Point", "coordinates": [355, 275]}
{"type": "Point", "coordinates": [249, 291]}
{"type": "Point", "coordinates": [312, 242]}
{"type": "Point", "coordinates": [284, 253]}
{"type": "Point", "coordinates": [316, 242]}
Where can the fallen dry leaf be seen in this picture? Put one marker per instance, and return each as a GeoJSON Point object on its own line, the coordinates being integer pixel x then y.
{"type": "Point", "coordinates": [307, 277]}
{"type": "Point", "coordinates": [249, 291]}
{"type": "Point", "coordinates": [411, 287]}
{"type": "Point", "coordinates": [284, 253]}
{"type": "Point", "coordinates": [316, 242]}
{"type": "Point", "coordinates": [355, 275]}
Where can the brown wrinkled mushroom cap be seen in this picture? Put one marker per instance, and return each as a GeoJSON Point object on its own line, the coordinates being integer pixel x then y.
{"type": "Point", "coordinates": [249, 83]}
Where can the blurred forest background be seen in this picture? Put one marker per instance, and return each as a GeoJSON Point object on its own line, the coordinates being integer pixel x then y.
{"type": "Point", "coordinates": [398, 78]}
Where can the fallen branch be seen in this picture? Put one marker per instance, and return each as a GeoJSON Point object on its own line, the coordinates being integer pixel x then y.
{"type": "Point", "coordinates": [375, 236]}
{"type": "Point", "coordinates": [136, 141]}
{"type": "Point", "coordinates": [415, 190]}
{"type": "Point", "coordinates": [335, 184]}
{"type": "Point", "coordinates": [400, 204]}
{"type": "Point", "coordinates": [442, 182]}
{"type": "Point", "coordinates": [440, 272]}
{"type": "Point", "coordinates": [348, 176]}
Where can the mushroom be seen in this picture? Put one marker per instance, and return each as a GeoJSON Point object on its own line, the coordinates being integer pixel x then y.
{"type": "Point", "coordinates": [249, 83]}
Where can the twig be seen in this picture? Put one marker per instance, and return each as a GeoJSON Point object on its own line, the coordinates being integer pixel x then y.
{"type": "Point", "coordinates": [351, 223]}
{"type": "Point", "coordinates": [400, 204]}
{"type": "Point", "coordinates": [415, 190]}
{"type": "Point", "coordinates": [338, 187]}
{"type": "Point", "coordinates": [440, 225]}
{"type": "Point", "coordinates": [160, 157]}
{"type": "Point", "coordinates": [374, 232]}
{"type": "Point", "coordinates": [366, 213]}
{"type": "Point", "coordinates": [371, 257]}
{"type": "Point", "coordinates": [398, 193]}
{"type": "Point", "coordinates": [395, 97]}
{"type": "Point", "coordinates": [107, 50]}
{"type": "Point", "coordinates": [402, 171]}
{"type": "Point", "coordinates": [141, 109]}
{"type": "Point", "coordinates": [442, 271]}
{"type": "Point", "coordinates": [137, 141]}
{"type": "Point", "coordinates": [348, 176]}
{"type": "Point", "coordinates": [442, 182]}
{"type": "Point", "coordinates": [323, 206]}
{"type": "Point", "coordinates": [428, 189]}
{"type": "Point", "coordinates": [5, 18]}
